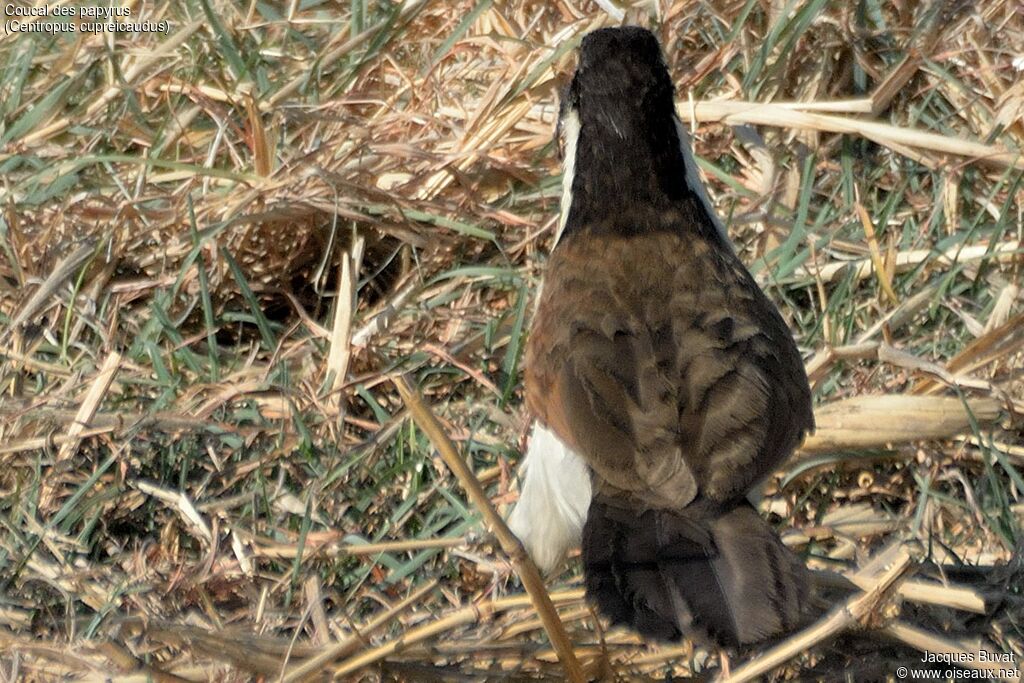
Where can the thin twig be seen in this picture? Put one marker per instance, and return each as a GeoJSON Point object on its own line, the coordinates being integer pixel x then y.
{"type": "Point", "coordinates": [525, 567]}
{"type": "Point", "coordinates": [344, 647]}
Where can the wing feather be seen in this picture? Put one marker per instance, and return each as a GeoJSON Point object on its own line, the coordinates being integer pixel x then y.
{"type": "Point", "coordinates": [669, 390]}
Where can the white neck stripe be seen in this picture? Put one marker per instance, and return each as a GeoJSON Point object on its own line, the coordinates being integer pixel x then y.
{"type": "Point", "coordinates": [570, 140]}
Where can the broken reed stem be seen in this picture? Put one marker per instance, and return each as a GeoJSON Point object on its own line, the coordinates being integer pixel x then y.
{"type": "Point", "coordinates": [283, 551]}
{"type": "Point", "coordinates": [427, 632]}
{"type": "Point", "coordinates": [88, 408]}
{"type": "Point", "coordinates": [60, 273]}
{"type": "Point", "coordinates": [344, 647]}
{"type": "Point", "coordinates": [894, 137]}
{"type": "Point", "coordinates": [107, 422]}
{"type": "Point", "coordinates": [125, 661]}
{"type": "Point", "coordinates": [920, 591]}
{"type": "Point", "coordinates": [460, 617]}
{"type": "Point", "coordinates": [525, 567]}
{"type": "Point", "coordinates": [953, 597]}
{"type": "Point", "coordinates": [837, 620]}
{"type": "Point", "coordinates": [879, 421]}
{"type": "Point", "coordinates": [340, 349]}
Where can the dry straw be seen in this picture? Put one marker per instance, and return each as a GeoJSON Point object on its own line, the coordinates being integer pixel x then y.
{"type": "Point", "coordinates": [206, 466]}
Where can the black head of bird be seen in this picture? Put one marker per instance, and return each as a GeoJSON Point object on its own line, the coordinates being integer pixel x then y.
{"type": "Point", "coordinates": [628, 145]}
{"type": "Point", "coordinates": [664, 383]}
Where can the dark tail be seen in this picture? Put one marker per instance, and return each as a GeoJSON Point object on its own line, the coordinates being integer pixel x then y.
{"type": "Point", "coordinates": [670, 574]}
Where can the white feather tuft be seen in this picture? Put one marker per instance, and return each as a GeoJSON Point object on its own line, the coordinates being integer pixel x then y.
{"type": "Point", "coordinates": [570, 140]}
{"type": "Point", "coordinates": [553, 502]}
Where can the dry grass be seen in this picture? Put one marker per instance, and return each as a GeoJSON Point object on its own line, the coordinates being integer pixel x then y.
{"type": "Point", "coordinates": [220, 245]}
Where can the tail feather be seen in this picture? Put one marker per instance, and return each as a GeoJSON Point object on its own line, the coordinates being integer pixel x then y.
{"type": "Point", "coordinates": [670, 574]}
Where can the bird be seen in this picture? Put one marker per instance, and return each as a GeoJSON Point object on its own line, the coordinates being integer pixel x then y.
{"type": "Point", "coordinates": [664, 384]}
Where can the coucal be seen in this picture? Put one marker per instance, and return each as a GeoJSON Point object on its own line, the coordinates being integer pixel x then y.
{"type": "Point", "coordinates": [664, 383]}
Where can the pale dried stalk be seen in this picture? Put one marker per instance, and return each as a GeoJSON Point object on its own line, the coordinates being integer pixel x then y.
{"type": "Point", "coordinates": [1000, 342]}
{"type": "Point", "coordinates": [967, 657]}
{"type": "Point", "coordinates": [460, 617]}
{"type": "Point", "coordinates": [767, 114]}
{"type": "Point", "coordinates": [853, 423]}
{"type": "Point", "coordinates": [90, 405]}
{"type": "Point", "coordinates": [908, 260]}
{"type": "Point", "coordinates": [340, 346]}
{"type": "Point", "coordinates": [343, 647]}
{"type": "Point", "coordinates": [183, 505]}
{"type": "Point", "coordinates": [921, 591]}
{"type": "Point", "coordinates": [525, 567]}
{"type": "Point", "coordinates": [69, 581]}
{"type": "Point", "coordinates": [953, 597]}
{"type": "Point", "coordinates": [37, 442]}
{"type": "Point", "coordinates": [380, 321]}
{"type": "Point", "coordinates": [877, 421]}
{"type": "Point", "coordinates": [466, 615]}
{"type": "Point", "coordinates": [332, 549]}
{"type": "Point", "coordinates": [58, 275]}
